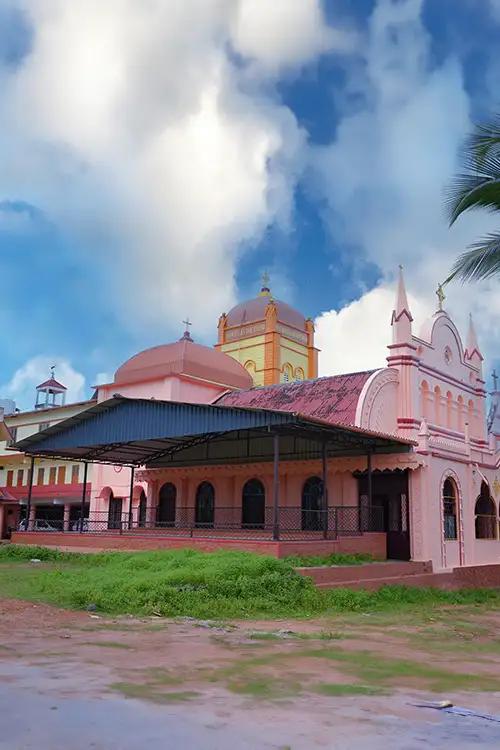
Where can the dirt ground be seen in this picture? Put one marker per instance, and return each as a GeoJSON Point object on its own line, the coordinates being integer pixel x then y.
{"type": "Point", "coordinates": [78, 680]}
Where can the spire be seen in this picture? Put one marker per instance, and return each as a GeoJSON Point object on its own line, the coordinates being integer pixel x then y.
{"type": "Point", "coordinates": [401, 316]}
{"type": "Point", "coordinates": [402, 305]}
{"type": "Point", "coordinates": [472, 347]}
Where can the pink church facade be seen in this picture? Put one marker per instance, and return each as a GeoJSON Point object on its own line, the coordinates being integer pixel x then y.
{"type": "Point", "coordinates": [437, 502]}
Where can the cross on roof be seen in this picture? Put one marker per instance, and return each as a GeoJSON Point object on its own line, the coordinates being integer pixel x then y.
{"type": "Point", "coordinates": [495, 379]}
{"type": "Point", "coordinates": [265, 280]}
{"type": "Point", "coordinates": [187, 323]}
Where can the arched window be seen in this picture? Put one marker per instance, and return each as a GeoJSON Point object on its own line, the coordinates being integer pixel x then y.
{"type": "Point", "coordinates": [460, 414]}
{"type": "Point", "coordinates": [287, 373]}
{"type": "Point", "coordinates": [312, 504]}
{"type": "Point", "coordinates": [166, 505]}
{"type": "Point", "coordinates": [299, 373]}
{"type": "Point", "coordinates": [205, 502]}
{"type": "Point", "coordinates": [470, 417]}
{"type": "Point", "coordinates": [253, 505]}
{"type": "Point", "coordinates": [250, 367]}
{"type": "Point", "coordinates": [486, 514]}
{"type": "Point", "coordinates": [424, 394]}
{"type": "Point", "coordinates": [450, 496]}
{"type": "Point", "coordinates": [141, 513]}
{"type": "Point", "coordinates": [437, 405]}
{"type": "Point", "coordinates": [449, 409]}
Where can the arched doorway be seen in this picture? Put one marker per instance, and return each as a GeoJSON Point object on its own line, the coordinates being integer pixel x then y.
{"type": "Point", "coordinates": [142, 509]}
{"type": "Point", "coordinates": [205, 502]}
{"type": "Point", "coordinates": [166, 504]}
{"type": "Point", "coordinates": [253, 505]}
{"type": "Point", "coordinates": [312, 504]}
{"type": "Point", "coordinates": [114, 511]}
{"type": "Point", "coordinates": [486, 515]}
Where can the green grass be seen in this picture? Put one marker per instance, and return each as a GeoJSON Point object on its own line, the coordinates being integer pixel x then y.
{"type": "Point", "coordinates": [338, 688]}
{"type": "Point", "coordinates": [336, 558]}
{"type": "Point", "coordinates": [381, 670]}
{"type": "Point", "coordinates": [216, 585]}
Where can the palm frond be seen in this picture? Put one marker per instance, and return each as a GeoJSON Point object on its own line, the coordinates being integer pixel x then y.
{"type": "Point", "coordinates": [479, 184]}
{"type": "Point", "coordinates": [481, 261]}
{"type": "Point", "coordinates": [484, 140]}
{"type": "Point", "coordinates": [472, 191]}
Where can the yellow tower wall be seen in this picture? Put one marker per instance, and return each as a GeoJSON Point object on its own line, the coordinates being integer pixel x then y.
{"type": "Point", "coordinates": [294, 354]}
{"type": "Point", "coordinates": [248, 350]}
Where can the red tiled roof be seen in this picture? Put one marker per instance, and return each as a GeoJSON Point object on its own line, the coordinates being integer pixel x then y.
{"type": "Point", "coordinates": [52, 383]}
{"type": "Point", "coordinates": [333, 399]}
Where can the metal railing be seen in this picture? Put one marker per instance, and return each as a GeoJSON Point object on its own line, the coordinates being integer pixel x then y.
{"type": "Point", "coordinates": [223, 522]}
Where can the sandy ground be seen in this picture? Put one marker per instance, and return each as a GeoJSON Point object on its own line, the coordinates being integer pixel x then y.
{"type": "Point", "coordinates": [77, 680]}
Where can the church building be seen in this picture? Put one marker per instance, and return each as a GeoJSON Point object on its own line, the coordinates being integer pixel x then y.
{"type": "Point", "coordinates": [243, 445]}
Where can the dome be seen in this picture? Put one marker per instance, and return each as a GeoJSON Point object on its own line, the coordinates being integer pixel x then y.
{"type": "Point", "coordinates": [184, 357]}
{"type": "Point", "coordinates": [255, 309]}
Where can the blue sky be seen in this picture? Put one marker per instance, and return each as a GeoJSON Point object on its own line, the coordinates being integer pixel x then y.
{"type": "Point", "coordinates": [156, 159]}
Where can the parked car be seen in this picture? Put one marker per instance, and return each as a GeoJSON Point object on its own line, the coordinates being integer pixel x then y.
{"type": "Point", "coordinates": [39, 524]}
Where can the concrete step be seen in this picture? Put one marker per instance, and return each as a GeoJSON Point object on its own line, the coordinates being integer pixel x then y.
{"type": "Point", "coordinates": [339, 574]}
{"type": "Point", "coordinates": [434, 580]}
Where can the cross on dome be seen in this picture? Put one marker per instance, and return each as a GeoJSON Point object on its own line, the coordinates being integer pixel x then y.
{"type": "Point", "coordinates": [187, 334]}
{"type": "Point", "coordinates": [265, 289]}
{"type": "Point", "coordinates": [495, 380]}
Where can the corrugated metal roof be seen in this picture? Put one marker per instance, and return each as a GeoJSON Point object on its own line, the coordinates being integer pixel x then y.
{"type": "Point", "coordinates": [143, 431]}
{"type": "Point", "coordinates": [333, 399]}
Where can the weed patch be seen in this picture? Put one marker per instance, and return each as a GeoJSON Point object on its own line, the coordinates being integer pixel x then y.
{"type": "Point", "coordinates": [216, 585]}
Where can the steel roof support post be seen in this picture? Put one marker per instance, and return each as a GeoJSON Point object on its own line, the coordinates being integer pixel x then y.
{"type": "Point", "coordinates": [276, 487]}
{"type": "Point", "coordinates": [325, 489]}
{"type": "Point", "coordinates": [370, 490]}
{"type": "Point", "coordinates": [30, 492]}
{"type": "Point", "coordinates": [84, 495]}
{"type": "Point", "coordinates": [131, 494]}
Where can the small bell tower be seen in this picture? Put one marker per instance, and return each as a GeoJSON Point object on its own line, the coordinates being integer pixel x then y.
{"type": "Point", "coordinates": [50, 393]}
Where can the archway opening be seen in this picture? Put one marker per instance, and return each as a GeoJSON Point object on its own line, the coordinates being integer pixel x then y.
{"type": "Point", "coordinates": [142, 510]}
{"type": "Point", "coordinates": [312, 504]}
{"type": "Point", "coordinates": [253, 505]}
{"type": "Point", "coordinates": [114, 511]}
{"type": "Point", "coordinates": [450, 496]}
{"type": "Point", "coordinates": [205, 505]}
{"type": "Point", "coordinates": [486, 515]}
{"type": "Point", "coordinates": [166, 504]}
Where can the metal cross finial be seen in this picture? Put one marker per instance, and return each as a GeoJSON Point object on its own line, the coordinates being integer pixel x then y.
{"type": "Point", "coordinates": [186, 336]}
{"type": "Point", "coordinates": [265, 280]}
{"type": "Point", "coordinates": [52, 371]}
{"type": "Point", "coordinates": [495, 380]}
{"type": "Point", "coordinates": [441, 296]}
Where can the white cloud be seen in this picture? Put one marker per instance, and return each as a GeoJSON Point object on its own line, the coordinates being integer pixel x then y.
{"type": "Point", "coordinates": [285, 32]}
{"type": "Point", "coordinates": [21, 387]}
{"type": "Point", "coordinates": [356, 337]}
{"type": "Point", "coordinates": [385, 174]}
{"type": "Point", "coordinates": [133, 126]}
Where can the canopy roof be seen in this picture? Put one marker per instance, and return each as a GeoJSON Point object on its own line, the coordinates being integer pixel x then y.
{"type": "Point", "coordinates": [152, 433]}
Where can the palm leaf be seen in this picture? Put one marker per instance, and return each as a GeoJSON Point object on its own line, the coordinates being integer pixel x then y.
{"type": "Point", "coordinates": [479, 184]}
{"type": "Point", "coordinates": [484, 140]}
{"type": "Point", "coordinates": [481, 261]}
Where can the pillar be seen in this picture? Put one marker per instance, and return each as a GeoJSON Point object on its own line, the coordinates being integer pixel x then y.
{"type": "Point", "coordinates": [67, 510]}
{"type": "Point", "coordinates": [276, 487]}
